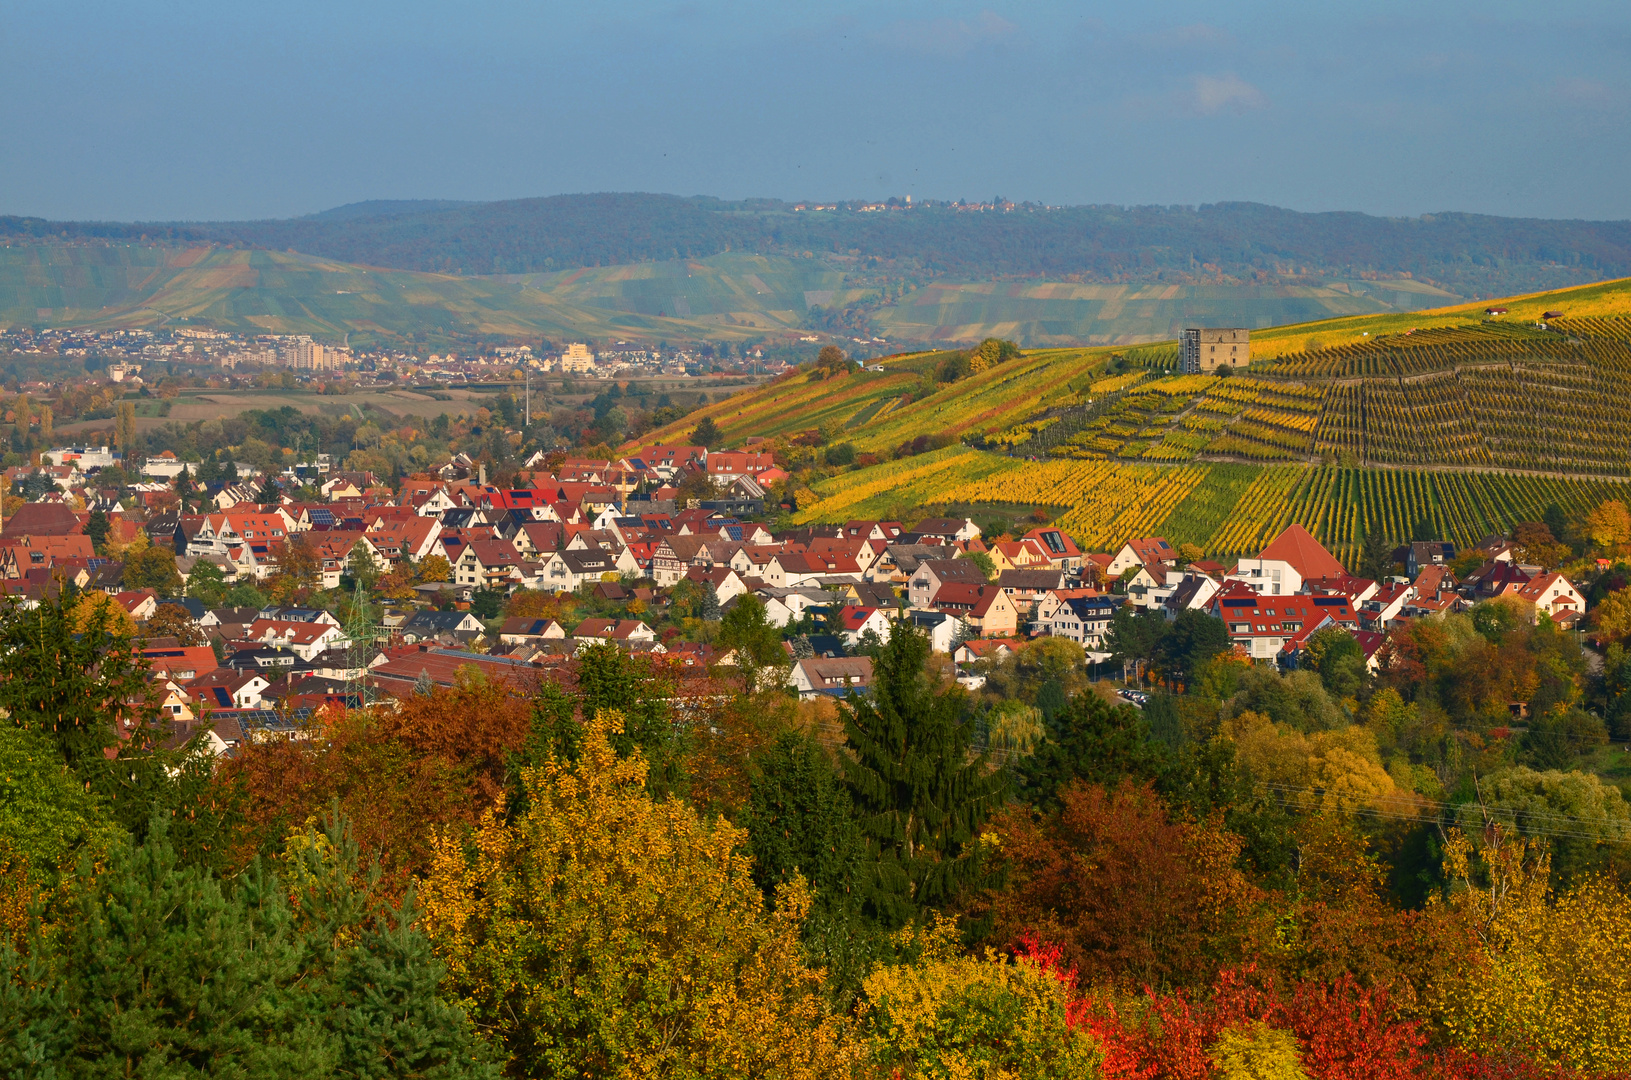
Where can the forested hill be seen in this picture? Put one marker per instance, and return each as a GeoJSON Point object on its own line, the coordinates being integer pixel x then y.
{"type": "Point", "coordinates": [1472, 255]}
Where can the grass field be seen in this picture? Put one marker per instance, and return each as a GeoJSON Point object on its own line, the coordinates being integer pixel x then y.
{"type": "Point", "coordinates": [387, 406]}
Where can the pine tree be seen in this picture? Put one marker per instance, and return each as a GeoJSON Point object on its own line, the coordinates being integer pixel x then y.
{"type": "Point", "coordinates": [184, 487]}
{"type": "Point", "coordinates": [165, 970]}
{"type": "Point", "coordinates": [1375, 556]}
{"type": "Point", "coordinates": [392, 1020]}
{"type": "Point", "coordinates": [1089, 739]}
{"type": "Point", "coordinates": [800, 821]}
{"type": "Point", "coordinates": [919, 796]}
{"type": "Point", "coordinates": [708, 611]}
{"type": "Point", "coordinates": [97, 529]}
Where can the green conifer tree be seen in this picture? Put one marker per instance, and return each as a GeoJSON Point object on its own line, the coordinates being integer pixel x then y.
{"type": "Point", "coordinates": [919, 795]}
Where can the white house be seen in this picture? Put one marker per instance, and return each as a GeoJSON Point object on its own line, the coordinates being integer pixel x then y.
{"type": "Point", "coordinates": [830, 676]}
{"type": "Point", "coordinates": [856, 621]}
{"type": "Point", "coordinates": [1290, 559]}
{"type": "Point", "coordinates": [1553, 594]}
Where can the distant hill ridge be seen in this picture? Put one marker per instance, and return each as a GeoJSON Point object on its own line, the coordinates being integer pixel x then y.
{"type": "Point", "coordinates": [1227, 243]}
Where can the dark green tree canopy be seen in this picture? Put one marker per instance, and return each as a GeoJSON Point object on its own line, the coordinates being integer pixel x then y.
{"type": "Point", "coordinates": [919, 795]}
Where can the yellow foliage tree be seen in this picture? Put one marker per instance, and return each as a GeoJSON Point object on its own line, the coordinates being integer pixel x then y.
{"type": "Point", "coordinates": [1613, 615]}
{"type": "Point", "coordinates": [1609, 526]}
{"type": "Point", "coordinates": [948, 1017]}
{"type": "Point", "coordinates": [433, 568]}
{"type": "Point", "coordinates": [1553, 975]}
{"type": "Point", "coordinates": [1338, 769]}
{"type": "Point", "coordinates": [93, 604]}
{"type": "Point", "coordinates": [601, 933]}
{"type": "Point", "coordinates": [1257, 1052]}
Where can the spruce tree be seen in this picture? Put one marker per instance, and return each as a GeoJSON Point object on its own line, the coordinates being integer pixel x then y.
{"type": "Point", "coordinates": [1375, 556]}
{"type": "Point", "coordinates": [97, 529]}
{"type": "Point", "coordinates": [165, 970]}
{"type": "Point", "coordinates": [800, 821]}
{"type": "Point", "coordinates": [919, 795]}
{"type": "Point", "coordinates": [1089, 739]}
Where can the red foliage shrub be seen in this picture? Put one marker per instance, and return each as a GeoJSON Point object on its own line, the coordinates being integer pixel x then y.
{"type": "Point", "coordinates": [1342, 1028]}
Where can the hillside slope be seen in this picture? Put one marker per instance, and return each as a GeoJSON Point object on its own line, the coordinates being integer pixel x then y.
{"type": "Point", "coordinates": [1241, 243]}
{"type": "Point", "coordinates": [1469, 422]}
{"type": "Point", "coordinates": [726, 297]}
{"type": "Point", "coordinates": [1450, 387]}
{"type": "Point", "coordinates": [109, 283]}
{"type": "Point", "coordinates": [1225, 509]}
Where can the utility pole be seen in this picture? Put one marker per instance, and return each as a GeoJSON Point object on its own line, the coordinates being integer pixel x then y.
{"type": "Point", "coordinates": [529, 396]}
{"type": "Point", "coordinates": [360, 630]}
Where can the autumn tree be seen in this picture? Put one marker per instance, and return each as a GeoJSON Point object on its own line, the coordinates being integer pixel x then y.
{"type": "Point", "coordinates": [1537, 545]}
{"type": "Point", "coordinates": [920, 795]}
{"type": "Point", "coordinates": [153, 568]}
{"type": "Point", "coordinates": [433, 568]}
{"type": "Point", "coordinates": [536, 604]}
{"type": "Point", "coordinates": [604, 933]}
{"type": "Point", "coordinates": [1131, 895]}
{"type": "Point", "coordinates": [1553, 973]}
{"type": "Point", "coordinates": [831, 358]}
{"type": "Point", "coordinates": [297, 560]}
{"type": "Point", "coordinates": [172, 620]}
{"type": "Point", "coordinates": [1609, 527]}
{"type": "Point", "coordinates": [124, 435]}
{"type": "Point", "coordinates": [435, 760]}
{"type": "Point", "coordinates": [945, 1014]}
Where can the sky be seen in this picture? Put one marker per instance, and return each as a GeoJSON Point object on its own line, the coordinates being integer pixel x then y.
{"type": "Point", "coordinates": [176, 110]}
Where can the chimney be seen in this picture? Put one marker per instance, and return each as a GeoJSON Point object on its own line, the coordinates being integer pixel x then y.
{"type": "Point", "coordinates": [482, 473]}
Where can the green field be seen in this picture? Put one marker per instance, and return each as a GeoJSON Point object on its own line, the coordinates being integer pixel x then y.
{"type": "Point", "coordinates": [728, 297]}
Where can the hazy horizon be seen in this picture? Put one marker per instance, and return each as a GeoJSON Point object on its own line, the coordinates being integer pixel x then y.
{"type": "Point", "coordinates": [199, 112]}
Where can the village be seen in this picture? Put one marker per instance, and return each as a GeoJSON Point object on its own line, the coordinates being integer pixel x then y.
{"type": "Point", "coordinates": [255, 608]}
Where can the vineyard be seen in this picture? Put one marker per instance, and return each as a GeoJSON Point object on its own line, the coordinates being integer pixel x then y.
{"type": "Point", "coordinates": [1227, 509]}
{"type": "Point", "coordinates": [1535, 392]}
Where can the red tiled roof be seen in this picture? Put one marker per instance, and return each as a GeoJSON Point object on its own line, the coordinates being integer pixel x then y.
{"type": "Point", "coordinates": [1298, 547]}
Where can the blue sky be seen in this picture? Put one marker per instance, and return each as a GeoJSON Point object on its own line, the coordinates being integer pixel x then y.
{"type": "Point", "coordinates": [190, 110]}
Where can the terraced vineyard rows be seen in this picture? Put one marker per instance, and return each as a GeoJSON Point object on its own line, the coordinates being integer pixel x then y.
{"type": "Point", "coordinates": [1418, 352]}
{"type": "Point", "coordinates": [1609, 327]}
{"type": "Point", "coordinates": [1228, 510]}
{"type": "Point", "coordinates": [1131, 501]}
